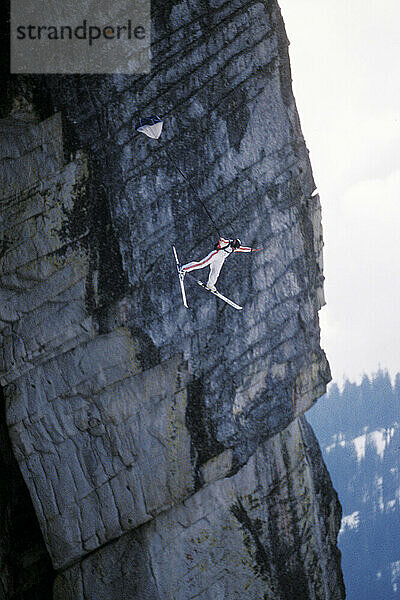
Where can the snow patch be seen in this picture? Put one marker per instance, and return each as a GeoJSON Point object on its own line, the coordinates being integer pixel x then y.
{"type": "Point", "coordinates": [360, 444]}
{"type": "Point", "coordinates": [395, 569]}
{"type": "Point", "coordinates": [337, 440]}
{"type": "Point", "coordinates": [380, 438]}
{"type": "Point", "coordinates": [390, 505]}
{"type": "Point", "coordinates": [365, 497]}
{"type": "Point", "coordinates": [350, 522]}
{"type": "Point", "coordinates": [379, 489]}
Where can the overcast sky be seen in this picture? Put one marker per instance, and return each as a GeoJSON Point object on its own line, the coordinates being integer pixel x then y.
{"type": "Point", "coordinates": [345, 57]}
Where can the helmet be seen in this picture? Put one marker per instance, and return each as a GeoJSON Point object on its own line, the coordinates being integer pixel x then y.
{"type": "Point", "coordinates": [236, 243]}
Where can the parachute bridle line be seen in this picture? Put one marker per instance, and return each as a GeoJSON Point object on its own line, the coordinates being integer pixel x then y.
{"type": "Point", "coordinates": [191, 186]}
{"type": "Point", "coordinates": [152, 127]}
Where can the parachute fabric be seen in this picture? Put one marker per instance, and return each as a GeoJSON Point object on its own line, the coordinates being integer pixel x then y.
{"type": "Point", "coordinates": [150, 126]}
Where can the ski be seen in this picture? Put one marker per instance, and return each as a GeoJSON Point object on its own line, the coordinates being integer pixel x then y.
{"type": "Point", "coordinates": [219, 295]}
{"type": "Point", "coordinates": [180, 278]}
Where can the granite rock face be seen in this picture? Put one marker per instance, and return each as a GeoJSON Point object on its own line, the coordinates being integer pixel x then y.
{"type": "Point", "coordinates": [148, 433]}
{"type": "Point", "coordinates": [227, 540]}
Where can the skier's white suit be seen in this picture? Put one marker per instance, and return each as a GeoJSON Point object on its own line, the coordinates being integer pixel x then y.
{"type": "Point", "coordinates": [215, 259]}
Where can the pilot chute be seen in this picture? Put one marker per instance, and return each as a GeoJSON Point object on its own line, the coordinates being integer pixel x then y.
{"type": "Point", "coordinates": [150, 126]}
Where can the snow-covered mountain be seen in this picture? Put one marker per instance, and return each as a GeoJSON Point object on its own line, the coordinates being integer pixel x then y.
{"type": "Point", "coordinates": [358, 429]}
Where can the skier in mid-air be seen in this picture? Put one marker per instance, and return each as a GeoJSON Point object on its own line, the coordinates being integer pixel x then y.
{"type": "Point", "coordinates": [152, 127]}
{"type": "Point", "coordinates": [215, 259]}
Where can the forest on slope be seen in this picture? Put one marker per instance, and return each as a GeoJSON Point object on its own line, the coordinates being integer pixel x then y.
{"type": "Point", "coordinates": [358, 430]}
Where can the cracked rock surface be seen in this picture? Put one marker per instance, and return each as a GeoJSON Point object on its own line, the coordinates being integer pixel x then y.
{"type": "Point", "coordinates": [164, 449]}
{"type": "Point", "coordinates": [228, 541]}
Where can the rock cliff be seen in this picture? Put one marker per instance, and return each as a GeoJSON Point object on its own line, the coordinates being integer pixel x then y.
{"type": "Point", "coordinates": [164, 449]}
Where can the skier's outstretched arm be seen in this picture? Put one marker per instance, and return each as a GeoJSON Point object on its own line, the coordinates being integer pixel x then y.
{"type": "Point", "coordinates": [247, 249]}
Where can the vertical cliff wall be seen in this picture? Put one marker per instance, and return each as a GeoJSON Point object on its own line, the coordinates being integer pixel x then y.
{"type": "Point", "coordinates": [164, 449]}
